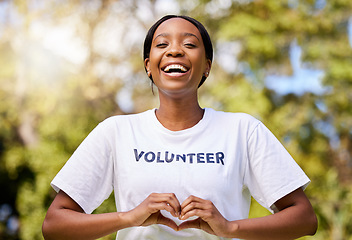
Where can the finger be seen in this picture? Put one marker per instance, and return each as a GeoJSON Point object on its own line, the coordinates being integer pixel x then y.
{"type": "Point", "coordinates": [189, 209]}
{"type": "Point", "coordinates": [157, 206]}
{"type": "Point", "coordinates": [189, 200]}
{"type": "Point", "coordinates": [167, 222]}
{"type": "Point", "coordinates": [193, 213]}
{"type": "Point", "coordinates": [170, 199]}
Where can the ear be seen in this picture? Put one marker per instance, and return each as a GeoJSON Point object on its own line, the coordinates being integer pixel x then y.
{"type": "Point", "coordinates": [147, 66]}
{"type": "Point", "coordinates": [207, 67]}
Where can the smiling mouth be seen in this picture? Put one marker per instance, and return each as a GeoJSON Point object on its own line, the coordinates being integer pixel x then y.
{"type": "Point", "coordinates": [175, 68]}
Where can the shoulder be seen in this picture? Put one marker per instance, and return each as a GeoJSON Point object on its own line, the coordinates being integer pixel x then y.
{"type": "Point", "coordinates": [233, 117]}
{"type": "Point", "coordinates": [128, 118]}
{"type": "Point", "coordinates": [242, 124]}
{"type": "Point", "coordinates": [118, 123]}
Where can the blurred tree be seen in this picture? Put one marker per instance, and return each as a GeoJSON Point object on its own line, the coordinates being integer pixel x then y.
{"type": "Point", "coordinates": [50, 101]}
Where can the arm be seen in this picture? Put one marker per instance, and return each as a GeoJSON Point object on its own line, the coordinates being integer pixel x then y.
{"type": "Point", "coordinates": [65, 219]}
{"type": "Point", "coordinates": [295, 218]}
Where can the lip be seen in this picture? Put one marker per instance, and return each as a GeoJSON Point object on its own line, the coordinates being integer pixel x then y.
{"type": "Point", "coordinates": [175, 74]}
{"type": "Point", "coordinates": [175, 63]}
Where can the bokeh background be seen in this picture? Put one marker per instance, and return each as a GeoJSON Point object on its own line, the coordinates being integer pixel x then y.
{"type": "Point", "coordinates": [66, 65]}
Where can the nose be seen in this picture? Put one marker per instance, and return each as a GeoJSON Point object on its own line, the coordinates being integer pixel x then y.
{"type": "Point", "coordinates": [175, 51]}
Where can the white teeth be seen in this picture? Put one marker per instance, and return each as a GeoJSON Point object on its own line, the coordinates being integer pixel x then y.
{"type": "Point", "coordinates": [175, 66]}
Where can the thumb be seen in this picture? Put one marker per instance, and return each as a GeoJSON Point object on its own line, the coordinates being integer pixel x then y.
{"type": "Point", "coordinates": [197, 223]}
{"type": "Point", "coordinates": [190, 224]}
{"type": "Point", "coordinates": [167, 222]}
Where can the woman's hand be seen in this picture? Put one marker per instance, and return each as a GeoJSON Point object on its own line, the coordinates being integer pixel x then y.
{"type": "Point", "coordinates": [148, 212]}
{"type": "Point", "coordinates": [209, 218]}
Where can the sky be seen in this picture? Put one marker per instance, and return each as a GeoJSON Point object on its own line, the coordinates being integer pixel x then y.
{"type": "Point", "coordinates": [302, 80]}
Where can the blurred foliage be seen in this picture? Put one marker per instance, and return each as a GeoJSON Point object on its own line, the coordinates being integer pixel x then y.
{"type": "Point", "coordinates": [53, 94]}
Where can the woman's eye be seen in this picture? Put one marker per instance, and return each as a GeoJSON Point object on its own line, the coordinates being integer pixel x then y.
{"type": "Point", "coordinates": [190, 45]}
{"type": "Point", "coordinates": [161, 45]}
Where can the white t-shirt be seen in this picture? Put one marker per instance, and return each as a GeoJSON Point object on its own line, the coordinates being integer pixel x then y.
{"type": "Point", "coordinates": [225, 158]}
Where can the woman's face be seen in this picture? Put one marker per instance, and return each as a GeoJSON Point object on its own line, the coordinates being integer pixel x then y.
{"type": "Point", "coordinates": [177, 59]}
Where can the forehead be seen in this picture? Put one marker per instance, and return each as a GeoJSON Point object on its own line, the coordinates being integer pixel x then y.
{"type": "Point", "coordinates": [177, 25]}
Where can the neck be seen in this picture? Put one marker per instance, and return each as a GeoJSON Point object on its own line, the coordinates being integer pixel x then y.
{"type": "Point", "coordinates": [179, 114]}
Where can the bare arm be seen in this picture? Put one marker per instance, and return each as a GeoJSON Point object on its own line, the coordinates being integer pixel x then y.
{"type": "Point", "coordinates": [295, 218]}
{"type": "Point", "coordinates": [65, 219]}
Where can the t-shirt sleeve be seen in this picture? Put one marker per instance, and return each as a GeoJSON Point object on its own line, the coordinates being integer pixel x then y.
{"type": "Point", "coordinates": [87, 177]}
{"type": "Point", "coordinates": [271, 172]}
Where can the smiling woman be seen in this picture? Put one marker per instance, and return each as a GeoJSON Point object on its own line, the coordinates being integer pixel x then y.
{"type": "Point", "coordinates": [180, 171]}
{"type": "Point", "coordinates": [177, 59]}
{"type": "Point", "coordinates": [205, 38]}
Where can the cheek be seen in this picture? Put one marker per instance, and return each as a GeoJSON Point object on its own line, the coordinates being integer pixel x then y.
{"type": "Point", "coordinates": [154, 59]}
{"type": "Point", "coordinates": [155, 53]}
{"type": "Point", "coordinates": [201, 62]}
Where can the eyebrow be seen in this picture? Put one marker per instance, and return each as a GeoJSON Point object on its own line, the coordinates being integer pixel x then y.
{"type": "Point", "coordinates": [184, 34]}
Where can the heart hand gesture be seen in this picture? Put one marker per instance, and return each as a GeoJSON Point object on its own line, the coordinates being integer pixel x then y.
{"type": "Point", "coordinates": [209, 218]}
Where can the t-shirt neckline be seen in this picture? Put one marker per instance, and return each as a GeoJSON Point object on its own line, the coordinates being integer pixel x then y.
{"type": "Point", "coordinates": [198, 126]}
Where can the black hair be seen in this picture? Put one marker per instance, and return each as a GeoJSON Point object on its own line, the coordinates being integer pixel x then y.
{"type": "Point", "coordinates": [203, 32]}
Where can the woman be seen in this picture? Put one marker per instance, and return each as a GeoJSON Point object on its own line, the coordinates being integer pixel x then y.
{"type": "Point", "coordinates": [180, 171]}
